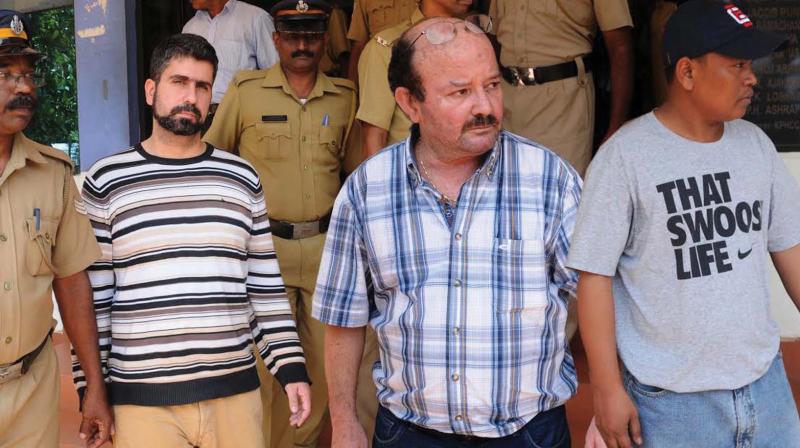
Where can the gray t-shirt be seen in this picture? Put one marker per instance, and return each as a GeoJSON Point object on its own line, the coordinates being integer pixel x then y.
{"type": "Point", "coordinates": [685, 229]}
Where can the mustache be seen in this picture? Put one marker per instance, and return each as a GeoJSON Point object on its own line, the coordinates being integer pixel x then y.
{"type": "Point", "coordinates": [22, 101]}
{"type": "Point", "coordinates": [479, 121]}
{"type": "Point", "coordinates": [185, 108]}
{"type": "Point", "coordinates": [299, 53]}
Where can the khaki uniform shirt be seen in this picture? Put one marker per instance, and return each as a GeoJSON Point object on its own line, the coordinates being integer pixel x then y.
{"type": "Point", "coordinates": [296, 150]}
{"type": "Point", "coordinates": [37, 177]}
{"type": "Point", "coordinates": [370, 17]}
{"type": "Point", "coordinates": [377, 106]}
{"type": "Point", "coordinates": [337, 41]}
{"type": "Point", "coordinates": [546, 32]}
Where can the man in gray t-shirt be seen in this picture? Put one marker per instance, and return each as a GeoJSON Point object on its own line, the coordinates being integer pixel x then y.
{"type": "Point", "coordinates": [681, 209]}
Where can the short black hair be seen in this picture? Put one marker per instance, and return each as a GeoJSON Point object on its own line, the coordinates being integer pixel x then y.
{"type": "Point", "coordinates": [401, 70]}
{"type": "Point", "coordinates": [181, 46]}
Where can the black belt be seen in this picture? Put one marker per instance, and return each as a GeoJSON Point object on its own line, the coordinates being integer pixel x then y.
{"type": "Point", "coordinates": [530, 76]}
{"type": "Point", "coordinates": [557, 412]}
{"type": "Point", "coordinates": [22, 365]}
{"type": "Point", "coordinates": [299, 230]}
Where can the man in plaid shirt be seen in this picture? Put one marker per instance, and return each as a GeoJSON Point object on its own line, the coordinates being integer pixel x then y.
{"type": "Point", "coordinates": [452, 245]}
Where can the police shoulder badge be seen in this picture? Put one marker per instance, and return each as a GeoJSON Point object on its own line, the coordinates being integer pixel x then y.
{"type": "Point", "coordinates": [301, 6]}
{"type": "Point", "coordinates": [16, 25]}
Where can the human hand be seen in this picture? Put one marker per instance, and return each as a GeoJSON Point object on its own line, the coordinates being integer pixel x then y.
{"type": "Point", "coordinates": [299, 395]}
{"type": "Point", "coordinates": [617, 418]}
{"type": "Point", "coordinates": [349, 434]}
{"type": "Point", "coordinates": [97, 423]}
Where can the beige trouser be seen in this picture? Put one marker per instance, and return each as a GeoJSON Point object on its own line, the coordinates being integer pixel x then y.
{"type": "Point", "coordinates": [228, 422]}
{"type": "Point", "coordinates": [299, 262]}
{"type": "Point", "coordinates": [29, 405]}
{"type": "Point", "coordinates": [558, 115]}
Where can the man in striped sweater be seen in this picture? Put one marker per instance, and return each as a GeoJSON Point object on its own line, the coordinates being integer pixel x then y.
{"type": "Point", "coordinates": [188, 277]}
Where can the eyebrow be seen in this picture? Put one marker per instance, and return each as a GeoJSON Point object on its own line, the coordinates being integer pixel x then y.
{"type": "Point", "coordinates": [186, 78]}
{"type": "Point", "coordinates": [456, 83]}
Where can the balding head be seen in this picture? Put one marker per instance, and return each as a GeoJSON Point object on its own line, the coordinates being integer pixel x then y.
{"type": "Point", "coordinates": [445, 78]}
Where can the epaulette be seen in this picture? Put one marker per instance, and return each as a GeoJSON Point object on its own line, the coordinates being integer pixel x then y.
{"type": "Point", "coordinates": [248, 75]}
{"type": "Point", "coordinates": [54, 153]}
{"type": "Point", "coordinates": [341, 82]}
{"type": "Point", "coordinates": [383, 42]}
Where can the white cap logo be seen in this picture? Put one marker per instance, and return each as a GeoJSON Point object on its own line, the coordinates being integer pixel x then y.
{"type": "Point", "coordinates": [737, 14]}
{"type": "Point", "coordinates": [301, 6]}
{"type": "Point", "coordinates": [16, 25]}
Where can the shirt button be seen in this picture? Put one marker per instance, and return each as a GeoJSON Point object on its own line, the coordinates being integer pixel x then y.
{"type": "Point", "coordinates": [455, 377]}
{"type": "Point", "coordinates": [9, 340]}
{"type": "Point", "coordinates": [7, 286]}
{"type": "Point", "coordinates": [305, 167]}
{"type": "Point", "coordinates": [303, 138]}
{"type": "Point", "coordinates": [457, 283]}
{"type": "Point", "coordinates": [3, 237]}
{"type": "Point", "coordinates": [458, 237]}
{"type": "Point", "coordinates": [459, 418]}
{"type": "Point", "coordinates": [308, 196]}
{"type": "Point", "coordinates": [456, 331]}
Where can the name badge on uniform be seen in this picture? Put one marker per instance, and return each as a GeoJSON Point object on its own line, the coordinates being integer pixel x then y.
{"type": "Point", "coordinates": [274, 118]}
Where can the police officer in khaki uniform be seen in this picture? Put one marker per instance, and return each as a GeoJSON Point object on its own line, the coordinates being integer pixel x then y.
{"type": "Point", "coordinates": [46, 243]}
{"type": "Point", "coordinates": [369, 18]}
{"type": "Point", "coordinates": [291, 122]}
{"type": "Point", "coordinates": [382, 121]}
{"type": "Point", "coordinates": [548, 90]}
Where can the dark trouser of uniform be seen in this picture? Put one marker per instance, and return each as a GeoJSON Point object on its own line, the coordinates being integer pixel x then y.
{"type": "Point", "coordinates": [299, 262]}
{"type": "Point", "coordinates": [547, 428]}
{"type": "Point", "coordinates": [29, 404]}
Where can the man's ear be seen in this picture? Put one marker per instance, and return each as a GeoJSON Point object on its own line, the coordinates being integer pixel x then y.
{"type": "Point", "coordinates": [685, 72]}
{"type": "Point", "coordinates": [408, 103]}
{"type": "Point", "coordinates": [149, 91]}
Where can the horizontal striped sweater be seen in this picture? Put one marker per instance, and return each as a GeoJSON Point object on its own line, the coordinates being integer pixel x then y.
{"type": "Point", "coordinates": [187, 281]}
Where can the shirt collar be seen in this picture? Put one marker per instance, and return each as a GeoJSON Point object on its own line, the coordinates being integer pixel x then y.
{"type": "Point", "coordinates": [489, 167]}
{"type": "Point", "coordinates": [275, 77]}
{"type": "Point", "coordinates": [227, 9]}
{"type": "Point", "coordinates": [21, 151]}
{"type": "Point", "coordinates": [25, 146]}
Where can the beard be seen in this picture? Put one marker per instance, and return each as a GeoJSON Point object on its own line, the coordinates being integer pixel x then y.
{"type": "Point", "coordinates": [179, 125]}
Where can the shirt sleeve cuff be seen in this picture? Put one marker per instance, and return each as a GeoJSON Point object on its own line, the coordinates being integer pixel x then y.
{"type": "Point", "coordinates": [292, 373]}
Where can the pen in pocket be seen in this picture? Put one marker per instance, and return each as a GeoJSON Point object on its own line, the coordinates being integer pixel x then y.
{"type": "Point", "coordinates": [37, 216]}
{"type": "Point", "coordinates": [325, 120]}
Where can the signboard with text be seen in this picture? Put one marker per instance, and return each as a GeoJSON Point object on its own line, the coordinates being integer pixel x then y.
{"type": "Point", "coordinates": [776, 106]}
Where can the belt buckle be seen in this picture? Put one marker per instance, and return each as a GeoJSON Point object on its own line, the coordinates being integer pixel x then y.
{"type": "Point", "coordinates": [531, 75]}
{"type": "Point", "coordinates": [10, 372]}
{"type": "Point", "coordinates": [306, 229]}
{"type": "Point", "coordinates": [516, 77]}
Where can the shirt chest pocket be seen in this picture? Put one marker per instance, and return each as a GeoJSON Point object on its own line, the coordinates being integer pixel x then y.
{"type": "Point", "coordinates": [330, 137]}
{"type": "Point", "coordinates": [519, 267]}
{"type": "Point", "coordinates": [39, 246]}
{"type": "Point", "coordinates": [274, 140]}
{"type": "Point", "coordinates": [380, 14]}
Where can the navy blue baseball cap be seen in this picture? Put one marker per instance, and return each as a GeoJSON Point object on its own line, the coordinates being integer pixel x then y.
{"type": "Point", "coordinates": [705, 26]}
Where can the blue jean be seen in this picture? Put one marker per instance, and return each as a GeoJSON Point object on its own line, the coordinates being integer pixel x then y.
{"type": "Point", "coordinates": [761, 414]}
{"type": "Point", "coordinates": [547, 430]}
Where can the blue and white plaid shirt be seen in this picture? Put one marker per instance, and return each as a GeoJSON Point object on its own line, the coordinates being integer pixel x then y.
{"type": "Point", "coordinates": [470, 320]}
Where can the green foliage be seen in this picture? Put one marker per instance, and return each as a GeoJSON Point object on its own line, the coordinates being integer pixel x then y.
{"type": "Point", "coordinates": [56, 119]}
